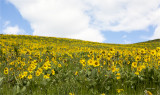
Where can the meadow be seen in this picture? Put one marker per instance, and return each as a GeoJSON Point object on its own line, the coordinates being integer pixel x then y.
{"type": "Point", "coordinates": [33, 65]}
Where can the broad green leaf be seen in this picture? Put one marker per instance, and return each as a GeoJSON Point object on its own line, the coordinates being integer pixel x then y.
{"type": "Point", "coordinates": [1, 79]}
{"type": "Point", "coordinates": [23, 89]}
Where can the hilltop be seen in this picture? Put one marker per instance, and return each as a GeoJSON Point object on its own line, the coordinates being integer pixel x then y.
{"type": "Point", "coordinates": [75, 42]}
{"type": "Point", "coordinates": [150, 41]}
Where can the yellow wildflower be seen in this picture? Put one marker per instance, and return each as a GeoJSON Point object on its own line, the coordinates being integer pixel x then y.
{"type": "Point", "coordinates": [38, 73]}
{"type": "Point", "coordinates": [30, 76]}
{"type": "Point", "coordinates": [113, 68]}
{"type": "Point", "coordinates": [96, 63]}
{"type": "Point", "coordinates": [147, 92]}
{"type": "Point", "coordinates": [90, 62]}
{"type": "Point", "coordinates": [25, 73]}
{"type": "Point", "coordinates": [118, 77]}
{"type": "Point", "coordinates": [71, 93]}
{"type": "Point", "coordinates": [76, 73]}
{"type": "Point", "coordinates": [6, 70]}
{"type": "Point", "coordinates": [118, 74]}
{"type": "Point", "coordinates": [53, 72]}
{"type": "Point", "coordinates": [134, 64]}
{"type": "Point", "coordinates": [45, 66]}
{"type": "Point", "coordinates": [59, 65]}
{"type": "Point", "coordinates": [119, 90]}
{"type": "Point", "coordinates": [137, 73]}
{"type": "Point", "coordinates": [46, 76]}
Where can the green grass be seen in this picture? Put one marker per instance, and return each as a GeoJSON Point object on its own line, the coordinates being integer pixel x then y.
{"type": "Point", "coordinates": [91, 80]}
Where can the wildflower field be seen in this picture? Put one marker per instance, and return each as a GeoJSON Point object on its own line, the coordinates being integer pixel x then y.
{"type": "Point", "coordinates": [32, 65]}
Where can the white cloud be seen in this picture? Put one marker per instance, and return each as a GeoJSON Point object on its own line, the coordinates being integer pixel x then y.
{"type": "Point", "coordinates": [124, 15]}
{"type": "Point", "coordinates": [156, 34]}
{"type": "Point", "coordinates": [58, 18]}
{"type": "Point", "coordinates": [89, 34]}
{"type": "Point", "coordinates": [81, 18]}
{"type": "Point", "coordinates": [13, 30]}
{"type": "Point", "coordinates": [156, 21]}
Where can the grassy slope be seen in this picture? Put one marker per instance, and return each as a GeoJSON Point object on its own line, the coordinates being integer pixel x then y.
{"type": "Point", "coordinates": [73, 43]}
{"type": "Point", "coordinates": [150, 44]}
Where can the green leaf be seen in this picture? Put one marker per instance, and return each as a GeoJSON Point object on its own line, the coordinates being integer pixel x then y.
{"type": "Point", "coordinates": [94, 72]}
{"type": "Point", "coordinates": [28, 83]}
{"type": "Point", "coordinates": [44, 82]}
{"type": "Point", "coordinates": [108, 87]}
{"type": "Point", "coordinates": [17, 89]}
{"type": "Point", "coordinates": [14, 90]}
{"type": "Point", "coordinates": [23, 89]}
{"type": "Point", "coordinates": [1, 79]}
{"type": "Point", "coordinates": [89, 73]}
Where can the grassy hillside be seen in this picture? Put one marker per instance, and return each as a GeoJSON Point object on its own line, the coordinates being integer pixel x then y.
{"type": "Point", "coordinates": [74, 42]}
{"type": "Point", "coordinates": [34, 65]}
{"type": "Point", "coordinates": [149, 44]}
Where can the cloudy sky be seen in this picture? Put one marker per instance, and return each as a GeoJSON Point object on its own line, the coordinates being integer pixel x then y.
{"type": "Point", "coordinates": [107, 21]}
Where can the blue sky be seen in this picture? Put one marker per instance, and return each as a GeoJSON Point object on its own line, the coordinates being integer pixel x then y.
{"type": "Point", "coordinates": [10, 13]}
{"type": "Point", "coordinates": [89, 20]}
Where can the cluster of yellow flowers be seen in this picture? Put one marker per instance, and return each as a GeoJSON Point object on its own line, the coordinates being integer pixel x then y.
{"type": "Point", "coordinates": [35, 57]}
